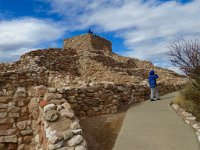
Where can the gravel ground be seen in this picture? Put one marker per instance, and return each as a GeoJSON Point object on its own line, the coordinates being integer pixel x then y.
{"type": "Point", "coordinates": [102, 131]}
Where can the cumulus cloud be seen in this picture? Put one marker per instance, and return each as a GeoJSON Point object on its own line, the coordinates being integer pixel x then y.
{"type": "Point", "coordinates": [18, 36]}
{"type": "Point", "coordinates": [146, 26]}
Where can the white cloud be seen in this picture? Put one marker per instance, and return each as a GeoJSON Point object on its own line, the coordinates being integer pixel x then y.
{"type": "Point", "coordinates": [145, 27]}
{"type": "Point", "coordinates": [22, 35]}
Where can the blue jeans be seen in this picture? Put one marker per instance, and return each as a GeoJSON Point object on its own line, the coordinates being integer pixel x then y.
{"type": "Point", "coordinates": [154, 93]}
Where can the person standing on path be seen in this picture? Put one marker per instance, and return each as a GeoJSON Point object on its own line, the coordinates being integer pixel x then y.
{"type": "Point", "coordinates": [153, 85]}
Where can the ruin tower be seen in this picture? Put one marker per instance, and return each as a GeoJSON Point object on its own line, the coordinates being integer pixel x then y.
{"type": "Point", "coordinates": [88, 42]}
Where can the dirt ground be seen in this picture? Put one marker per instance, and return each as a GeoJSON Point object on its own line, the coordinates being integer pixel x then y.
{"type": "Point", "coordinates": [102, 131]}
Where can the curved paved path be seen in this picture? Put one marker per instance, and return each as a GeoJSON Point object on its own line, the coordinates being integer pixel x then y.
{"type": "Point", "coordinates": [155, 126]}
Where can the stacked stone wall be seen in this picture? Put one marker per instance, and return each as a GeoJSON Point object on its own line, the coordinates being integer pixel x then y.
{"type": "Point", "coordinates": [103, 98]}
{"type": "Point", "coordinates": [9, 81]}
{"type": "Point", "coordinates": [15, 124]}
{"type": "Point", "coordinates": [88, 42]}
{"type": "Point", "coordinates": [38, 120]}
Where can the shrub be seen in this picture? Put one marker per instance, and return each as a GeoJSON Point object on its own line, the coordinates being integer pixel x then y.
{"type": "Point", "coordinates": [189, 99]}
{"type": "Point", "coordinates": [191, 93]}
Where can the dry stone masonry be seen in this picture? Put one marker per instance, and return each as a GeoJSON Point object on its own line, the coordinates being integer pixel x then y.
{"type": "Point", "coordinates": [43, 92]}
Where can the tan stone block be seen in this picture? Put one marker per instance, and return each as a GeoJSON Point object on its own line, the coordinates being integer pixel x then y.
{"type": "Point", "coordinates": [26, 132]}
{"type": "Point", "coordinates": [20, 93]}
{"type": "Point", "coordinates": [22, 125]}
{"type": "Point", "coordinates": [3, 115]}
{"type": "Point", "coordinates": [13, 109]}
{"type": "Point", "coordinates": [8, 139]}
{"type": "Point", "coordinates": [6, 120]}
{"type": "Point", "coordinates": [21, 147]}
{"type": "Point", "coordinates": [5, 126]}
{"type": "Point", "coordinates": [3, 110]}
{"type": "Point", "coordinates": [7, 132]}
{"type": "Point", "coordinates": [27, 139]}
{"type": "Point", "coordinates": [40, 91]}
{"type": "Point", "coordinates": [3, 105]}
{"type": "Point", "coordinates": [14, 115]}
{"type": "Point", "coordinates": [5, 99]}
{"type": "Point", "coordinates": [50, 96]}
{"type": "Point", "coordinates": [21, 103]}
{"type": "Point", "coordinates": [22, 118]}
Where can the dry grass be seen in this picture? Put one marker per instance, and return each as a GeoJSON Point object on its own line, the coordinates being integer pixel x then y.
{"type": "Point", "coordinates": [102, 131]}
{"type": "Point", "coordinates": [188, 104]}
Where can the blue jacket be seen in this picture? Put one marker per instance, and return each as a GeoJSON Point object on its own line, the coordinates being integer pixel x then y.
{"type": "Point", "coordinates": [152, 79]}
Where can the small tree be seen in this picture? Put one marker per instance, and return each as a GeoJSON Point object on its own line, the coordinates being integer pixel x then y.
{"type": "Point", "coordinates": [185, 54]}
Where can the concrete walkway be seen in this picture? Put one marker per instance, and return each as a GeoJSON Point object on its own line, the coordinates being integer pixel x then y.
{"type": "Point", "coordinates": [155, 126]}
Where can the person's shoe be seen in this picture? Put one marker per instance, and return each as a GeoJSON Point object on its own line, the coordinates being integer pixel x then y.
{"type": "Point", "coordinates": [152, 100]}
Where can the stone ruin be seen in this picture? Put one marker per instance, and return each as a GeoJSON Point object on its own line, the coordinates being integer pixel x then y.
{"type": "Point", "coordinates": [43, 93]}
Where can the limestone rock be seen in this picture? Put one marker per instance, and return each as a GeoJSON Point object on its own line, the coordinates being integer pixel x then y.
{"type": "Point", "coordinates": [50, 133]}
{"type": "Point", "coordinates": [78, 131]}
{"type": "Point", "coordinates": [50, 96]}
{"type": "Point", "coordinates": [7, 132]}
{"type": "Point", "coordinates": [196, 126]}
{"type": "Point", "coordinates": [186, 114]}
{"type": "Point", "coordinates": [26, 132]}
{"type": "Point", "coordinates": [2, 105]}
{"type": "Point", "coordinates": [13, 109]}
{"type": "Point", "coordinates": [8, 139]}
{"type": "Point", "coordinates": [40, 90]}
{"type": "Point", "coordinates": [51, 115]}
{"type": "Point", "coordinates": [66, 148]}
{"type": "Point", "coordinates": [49, 107]}
{"type": "Point", "coordinates": [67, 134]}
{"type": "Point", "coordinates": [75, 140]}
{"type": "Point", "coordinates": [55, 146]}
{"type": "Point", "coordinates": [66, 105]}
{"type": "Point", "coordinates": [3, 115]}
{"type": "Point", "coordinates": [54, 139]}
{"type": "Point", "coordinates": [80, 147]}
{"type": "Point", "coordinates": [175, 106]}
{"type": "Point", "coordinates": [37, 138]}
{"type": "Point", "coordinates": [6, 120]}
{"type": "Point", "coordinates": [13, 115]}
{"type": "Point", "coordinates": [67, 113]}
{"type": "Point", "coordinates": [75, 125]}
{"type": "Point", "coordinates": [58, 96]}
{"type": "Point", "coordinates": [10, 104]}
{"type": "Point", "coordinates": [22, 125]}
{"type": "Point", "coordinates": [61, 90]}
{"type": "Point", "coordinates": [52, 90]}
{"type": "Point", "coordinates": [20, 93]}
{"type": "Point", "coordinates": [21, 147]}
{"type": "Point", "coordinates": [59, 107]}
{"type": "Point", "coordinates": [190, 118]}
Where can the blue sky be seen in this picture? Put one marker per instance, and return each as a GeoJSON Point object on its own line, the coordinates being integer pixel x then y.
{"type": "Point", "coordinates": [137, 28]}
